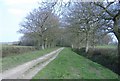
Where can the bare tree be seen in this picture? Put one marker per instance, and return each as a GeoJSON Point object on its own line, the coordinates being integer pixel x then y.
{"type": "Point", "coordinates": [111, 14]}
{"type": "Point", "coordinates": [82, 19]}
{"type": "Point", "coordinates": [39, 21]}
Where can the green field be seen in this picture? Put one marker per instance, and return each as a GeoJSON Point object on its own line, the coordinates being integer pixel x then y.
{"type": "Point", "coordinates": [106, 46]}
{"type": "Point", "coordinates": [14, 60]}
{"type": "Point", "coordinates": [69, 65]}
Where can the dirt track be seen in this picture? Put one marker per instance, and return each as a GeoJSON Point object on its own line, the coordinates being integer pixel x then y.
{"type": "Point", "coordinates": [31, 68]}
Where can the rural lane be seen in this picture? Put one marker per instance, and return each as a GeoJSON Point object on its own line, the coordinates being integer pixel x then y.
{"type": "Point", "coordinates": [31, 68]}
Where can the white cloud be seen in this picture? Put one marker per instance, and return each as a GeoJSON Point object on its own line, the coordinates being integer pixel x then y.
{"type": "Point", "coordinates": [16, 11]}
{"type": "Point", "coordinates": [19, 7]}
{"type": "Point", "coordinates": [15, 2]}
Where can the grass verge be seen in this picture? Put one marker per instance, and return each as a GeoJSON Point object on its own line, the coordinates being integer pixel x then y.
{"type": "Point", "coordinates": [106, 46]}
{"type": "Point", "coordinates": [104, 55]}
{"type": "Point", "coordinates": [69, 65]}
{"type": "Point", "coordinates": [14, 60]}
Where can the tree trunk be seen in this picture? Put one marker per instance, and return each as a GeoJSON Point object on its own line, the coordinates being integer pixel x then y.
{"type": "Point", "coordinates": [87, 42]}
{"type": "Point", "coordinates": [38, 44]}
{"type": "Point", "coordinates": [53, 45]}
{"type": "Point", "coordinates": [50, 44]}
{"type": "Point", "coordinates": [72, 46]}
{"type": "Point", "coordinates": [118, 56]}
{"type": "Point", "coordinates": [93, 40]}
{"type": "Point", "coordinates": [119, 45]}
{"type": "Point", "coordinates": [43, 46]}
{"type": "Point", "coordinates": [116, 31]}
{"type": "Point", "coordinates": [42, 42]}
{"type": "Point", "coordinates": [87, 46]}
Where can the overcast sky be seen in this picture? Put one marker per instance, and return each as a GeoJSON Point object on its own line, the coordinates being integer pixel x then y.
{"type": "Point", "coordinates": [12, 12]}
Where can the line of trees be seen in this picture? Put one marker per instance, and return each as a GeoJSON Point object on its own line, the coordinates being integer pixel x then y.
{"type": "Point", "coordinates": [39, 27]}
{"type": "Point", "coordinates": [74, 24]}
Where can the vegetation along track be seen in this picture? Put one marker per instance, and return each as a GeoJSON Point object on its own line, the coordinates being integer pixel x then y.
{"type": "Point", "coordinates": [29, 69]}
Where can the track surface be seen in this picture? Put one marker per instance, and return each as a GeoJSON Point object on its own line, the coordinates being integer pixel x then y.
{"type": "Point", "coordinates": [31, 68]}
